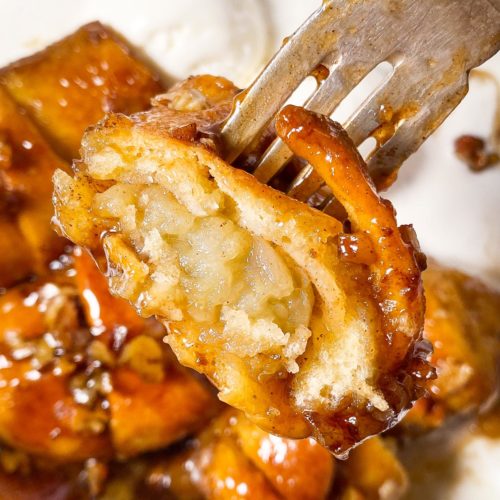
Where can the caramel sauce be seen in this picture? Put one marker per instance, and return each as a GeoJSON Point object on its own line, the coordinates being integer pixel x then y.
{"type": "Point", "coordinates": [474, 151]}
{"type": "Point", "coordinates": [320, 73]}
{"type": "Point", "coordinates": [390, 120]}
{"type": "Point", "coordinates": [356, 248]}
{"type": "Point", "coordinates": [5, 153]}
{"type": "Point", "coordinates": [461, 322]}
{"type": "Point", "coordinates": [27, 162]}
{"type": "Point", "coordinates": [70, 376]}
{"type": "Point", "coordinates": [234, 455]}
{"type": "Point", "coordinates": [56, 94]}
{"type": "Point", "coordinates": [110, 318]}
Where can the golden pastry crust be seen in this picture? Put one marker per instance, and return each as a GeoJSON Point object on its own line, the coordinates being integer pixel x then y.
{"type": "Point", "coordinates": [76, 81]}
{"type": "Point", "coordinates": [230, 458]}
{"type": "Point", "coordinates": [46, 102]}
{"type": "Point", "coordinates": [251, 284]}
{"type": "Point", "coordinates": [372, 471]}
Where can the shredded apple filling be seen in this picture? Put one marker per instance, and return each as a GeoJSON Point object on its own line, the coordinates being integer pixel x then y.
{"type": "Point", "coordinates": [249, 298]}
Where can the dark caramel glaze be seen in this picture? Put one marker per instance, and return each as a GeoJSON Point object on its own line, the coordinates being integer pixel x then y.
{"type": "Point", "coordinates": [372, 471]}
{"type": "Point", "coordinates": [233, 458]}
{"type": "Point", "coordinates": [473, 152]}
{"type": "Point", "coordinates": [320, 73]}
{"type": "Point", "coordinates": [389, 121]}
{"type": "Point", "coordinates": [75, 82]}
{"type": "Point", "coordinates": [104, 318]}
{"type": "Point", "coordinates": [356, 248]}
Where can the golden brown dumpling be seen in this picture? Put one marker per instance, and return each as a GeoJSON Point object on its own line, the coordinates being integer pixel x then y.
{"type": "Point", "coordinates": [462, 322]}
{"type": "Point", "coordinates": [307, 329]}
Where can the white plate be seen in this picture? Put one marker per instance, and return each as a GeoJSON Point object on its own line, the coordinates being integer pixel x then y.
{"type": "Point", "coordinates": [456, 214]}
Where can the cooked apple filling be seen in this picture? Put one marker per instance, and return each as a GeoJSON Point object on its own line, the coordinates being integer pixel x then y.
{"type": "Point", "coordinates": [249, 298]}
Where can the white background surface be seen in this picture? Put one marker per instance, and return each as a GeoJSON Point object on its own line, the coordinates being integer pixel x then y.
{"type": "Point", "coordinates": [456, 214]}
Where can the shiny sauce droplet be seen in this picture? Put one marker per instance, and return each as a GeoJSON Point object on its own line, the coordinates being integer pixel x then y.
{"type": "Point", "coordinates": [356, 248]}
{"type": "Point", "coordinates": [390, 120]}
{"type": "Point", "coordinates": [320, 73]}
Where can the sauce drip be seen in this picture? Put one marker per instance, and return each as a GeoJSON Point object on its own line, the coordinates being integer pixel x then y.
{"type": "Point", "coordinates": [390, 120]}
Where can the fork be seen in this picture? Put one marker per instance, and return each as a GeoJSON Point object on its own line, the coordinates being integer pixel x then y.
{"type": "Point", "coordinates": [431, 44]}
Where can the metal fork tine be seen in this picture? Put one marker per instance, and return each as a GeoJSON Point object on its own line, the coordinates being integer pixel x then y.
{"type": "Point", "coordinates": [386, 160]}
{"type": "Point", "coordinates": [433, 43]}
{"type": "Point", "coordinates": [341, 80]}
{"type": "Point", "coordinates": [379, 110]}
{"type": "Point", "coordinates": [274, 159]}
{"type": "Point", "coordinates": [406, 139]}
{"type": "Point", "coordinates": [305, 184]}
{"type": "Point", "coordinates": [335, 32]}
{"type": "Point", "coordinates": [305, 49]}
{"type": "Point", "coordinates": [414, 86]}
